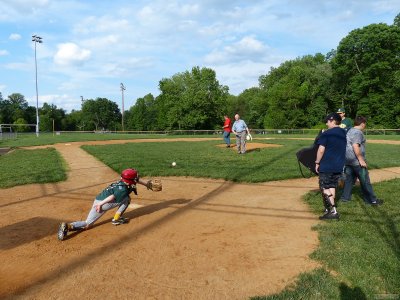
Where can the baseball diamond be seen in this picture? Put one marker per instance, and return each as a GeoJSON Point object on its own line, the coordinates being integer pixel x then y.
{"type": "Point", "coordinates": [194, 240]}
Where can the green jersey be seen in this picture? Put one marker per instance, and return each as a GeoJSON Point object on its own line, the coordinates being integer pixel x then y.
{"type": "Point", "coordinates": [346, 124]}
{"type": "Point", "coordinates": [119, 189]}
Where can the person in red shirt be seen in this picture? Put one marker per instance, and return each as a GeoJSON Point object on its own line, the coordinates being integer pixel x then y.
{"type": "Point", "coordinates": [227, 131]}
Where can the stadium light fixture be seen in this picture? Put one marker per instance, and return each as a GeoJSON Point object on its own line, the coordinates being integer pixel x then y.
{"type": "Point", "coordinates": [123, 108]}
{"type": "Point", "coordinates": [37, 39]}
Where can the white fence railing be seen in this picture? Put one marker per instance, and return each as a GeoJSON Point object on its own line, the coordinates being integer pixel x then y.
{"type": "Point", "coordinates": [215, 132]}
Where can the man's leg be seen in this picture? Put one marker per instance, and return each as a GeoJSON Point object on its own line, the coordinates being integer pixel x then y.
{"type": "Point", "coordinates": [227, 138]}
{"type": "Point", "coordinates": [366, 187]}
{"type": "Point", "coordinates": [348, 184]}
{"type": "Point", "coordinates": [243, 142]}
{"type": "Point", "coordinates": [328, 183]}
{"type": "Point", "coordinates": [238, 142]}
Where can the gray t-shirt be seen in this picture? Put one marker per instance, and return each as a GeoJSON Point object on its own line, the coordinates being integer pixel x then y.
{"type": "Point", "coordinates": [354, 136]}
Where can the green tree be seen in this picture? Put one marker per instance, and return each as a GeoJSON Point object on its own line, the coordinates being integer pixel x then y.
{"type": "Point", "coordinates": [252, 106]}
{"type": "Point", "coordinates": [396, 21]}
{"type": "Point", "coordinates": [49, 115]}
{"type": "Point", "coordinates": [73, 121]}
{"type": "Point", "coordinates": [101, 114]}
{"type": "Point", "coordinates": [22, 127]}
{"type": "Point", "coordinates": [192, 100]}
{"type": "Point", "coordinates": [230, 106]}
{"type": "Point", "coordinates": [297, 93]}
{"type": "Point", "coordinates": [18, 106]}
{"type": "Point", "coordinates": [143, 115]}
{"type": "Point", "coordinates": [366, 74]}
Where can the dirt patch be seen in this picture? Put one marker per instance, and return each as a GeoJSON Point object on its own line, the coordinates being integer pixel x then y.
{"type": "Point", "coordinates": [251, 146]}
{"type": "Point", "coordinates": [198, 239]}
{"type": "Point", "coordinates": [4, 150]}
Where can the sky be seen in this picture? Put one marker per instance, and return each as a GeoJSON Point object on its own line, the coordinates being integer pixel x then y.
{"type": "Point", "coordinates": [90, 47]}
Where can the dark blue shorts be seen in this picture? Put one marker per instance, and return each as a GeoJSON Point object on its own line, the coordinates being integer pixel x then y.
{"type": "Point", "coordinates": [328, 180]}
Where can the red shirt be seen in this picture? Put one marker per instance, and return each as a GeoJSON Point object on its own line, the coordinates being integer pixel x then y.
{"type": "Point", "coordinates": [227, 123]}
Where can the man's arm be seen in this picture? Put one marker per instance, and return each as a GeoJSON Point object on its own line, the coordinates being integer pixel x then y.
{"type": "Point", "coordinates": [320, 154]}
{"type": "Point", "coordinates": [234, 129]}
{"type": "Point", "coordinates": [357, 152]}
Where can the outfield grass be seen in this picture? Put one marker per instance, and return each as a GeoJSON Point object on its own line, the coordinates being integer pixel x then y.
{"type": "Point", "coordinates": [360, 254]}
{"type": "Point", "coordinates": [31, 166]}
{"type": "Point", "coordinates": [205, 159]}
{"type": "Point", "coordinates": [25, 140]}
{"type": "Point", "coordinates": [197, 159]}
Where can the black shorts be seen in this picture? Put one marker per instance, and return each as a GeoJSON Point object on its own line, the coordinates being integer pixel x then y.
{"type": "Point", "coordinates": [328, 180]}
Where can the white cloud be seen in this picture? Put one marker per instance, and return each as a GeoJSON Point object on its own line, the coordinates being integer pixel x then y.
{"type": "Point", "coordinates": [63, 101]}
{"type": "Point", "coordinates": [19, 66]}
{"type": "Point", "coordinates": [244, 74]}
{"type": "Point", "coordinates": [3, 52]}
{"type": "Point", "coordinates": [16, 9]}
{"type": "Point", "coordinates": [248, 48]}
{"type": "Point", "coordinates": [101, 24]}
{"type": "Point", "coordinates": [71, 54]}
{"type": "Point", "coordinates": [14, 36]}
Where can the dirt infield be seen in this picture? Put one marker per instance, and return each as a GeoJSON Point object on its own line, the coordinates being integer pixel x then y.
{"type": "Point", "coordinates": [198, 239]}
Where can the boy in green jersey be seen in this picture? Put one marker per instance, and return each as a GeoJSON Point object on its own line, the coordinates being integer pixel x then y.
{"type": "Point", "coordinates": [346, 123]}
{"type": "Point", "coordinates": [115, 195]}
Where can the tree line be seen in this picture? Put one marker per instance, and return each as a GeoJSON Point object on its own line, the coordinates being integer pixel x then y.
{"type": "Point", "coordinates": [362, 75]}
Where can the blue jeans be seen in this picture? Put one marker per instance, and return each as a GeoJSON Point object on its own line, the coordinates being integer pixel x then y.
{"type": "Point", "coordinates": [353, 172]}
{"type": "Point", "coordinates": [227, 138]}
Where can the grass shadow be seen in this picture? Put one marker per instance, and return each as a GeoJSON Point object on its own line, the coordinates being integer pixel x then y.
{"type": "Point", "coordinates": [348, 293]}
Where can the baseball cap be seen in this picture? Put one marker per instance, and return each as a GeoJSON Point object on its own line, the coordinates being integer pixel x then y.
{"type": "Point", "coordinates": [333, 116]}
{"type": "Point", "coordinates": [341, 110]}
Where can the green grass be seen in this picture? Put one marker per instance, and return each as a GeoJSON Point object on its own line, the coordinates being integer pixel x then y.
{"type": "Point", "coordinates": [362, 250]}
{"type": "Point", "coordinates": [25, 140]}
{"type": "Point", "coordinates": [30, 139]}
{"type": "Point", "coordinates": [31, 166]}
{"type": "Point", "coordinates": [205, 159]}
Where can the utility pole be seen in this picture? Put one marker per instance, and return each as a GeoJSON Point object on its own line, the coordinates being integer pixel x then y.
{"type": "Point", "coordinates": [123, 108]}
{"type": "Point", "coordinates": [37, 39]}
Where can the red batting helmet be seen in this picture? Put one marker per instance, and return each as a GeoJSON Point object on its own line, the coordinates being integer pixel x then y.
{"type": "Point", "coordinates": [130, 176]}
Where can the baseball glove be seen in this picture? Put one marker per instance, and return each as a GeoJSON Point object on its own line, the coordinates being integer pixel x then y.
{"type": "Point", "coordinates": [249, 137]}
{"type": "Point", "coordinates": [155, 185]}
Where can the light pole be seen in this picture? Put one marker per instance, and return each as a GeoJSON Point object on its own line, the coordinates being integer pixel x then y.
{"type": "Point", "coordinates": [37, 39]}
{"type": "Point", "coordinates": [123, 109]}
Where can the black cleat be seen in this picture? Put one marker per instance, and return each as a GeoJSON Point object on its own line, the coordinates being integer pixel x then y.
{"type": "Point", "coordinates": [330, 216]}
{"type": "Point", "coordinates": [377, 202]}
{"type": "Point", "coordinates": [120, 221]}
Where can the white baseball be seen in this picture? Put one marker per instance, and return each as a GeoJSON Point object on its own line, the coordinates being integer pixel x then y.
{"type": "Point", "coordinates": [173, 164]}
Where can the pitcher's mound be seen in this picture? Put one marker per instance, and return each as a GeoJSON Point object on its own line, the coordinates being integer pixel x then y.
{"type": "Point", "coordinates": [252, 146]}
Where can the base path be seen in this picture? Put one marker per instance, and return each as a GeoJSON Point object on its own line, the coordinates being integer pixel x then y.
{"type": "Point", "coordinates": [210, 240]}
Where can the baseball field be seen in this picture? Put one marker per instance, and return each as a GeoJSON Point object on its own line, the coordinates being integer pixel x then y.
{"type": "Point", "coordinates": [224, 227]}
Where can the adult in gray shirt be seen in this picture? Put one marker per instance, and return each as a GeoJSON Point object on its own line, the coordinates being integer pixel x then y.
{"type": "Point", "coordinates": [356, 165]}
{"type": "Point", "coordinates": [240, 129]}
